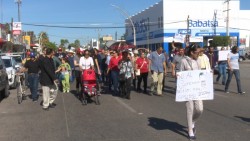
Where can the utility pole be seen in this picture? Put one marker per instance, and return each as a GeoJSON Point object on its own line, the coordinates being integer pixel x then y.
{"type": "Point", "coordinates": [187, 35]}
{"type": "Point", "coordinates": [19, 2]}
{"type": "Point", "coordinates": [116, 35]}
{"type": "Point", "coordinates": [98, 40]}
{"type": "Point", "coordinates": [227, 20]}
{"type": "Point", "coordinates": [214, 21]}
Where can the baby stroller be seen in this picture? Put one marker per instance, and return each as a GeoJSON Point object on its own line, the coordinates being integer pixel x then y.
{"type": "Point", "coordinates": [89, 87]}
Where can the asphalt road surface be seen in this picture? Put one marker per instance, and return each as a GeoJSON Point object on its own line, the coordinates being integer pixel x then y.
{"type": "Point", "coordinates": [143, 118]}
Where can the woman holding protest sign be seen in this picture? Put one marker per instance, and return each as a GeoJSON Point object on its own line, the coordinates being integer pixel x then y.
{"type": "Point", "coordinates": [194, 107]}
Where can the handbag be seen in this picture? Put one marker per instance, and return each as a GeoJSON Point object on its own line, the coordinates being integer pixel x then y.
{"type": "Point", "coordinates": [138, 72]}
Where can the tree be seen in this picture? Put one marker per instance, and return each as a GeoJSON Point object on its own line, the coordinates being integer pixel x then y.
{"type": "Point", "coordinates": [220, 41]}
{"type": "Point", "coordinates": [51, 45]}
{"type": "Point", "coordinates": [63, 42]}
{"type": "Point", "coordinates": [77, 43]}
{"type": "Point", "coordinates": [43, 37]}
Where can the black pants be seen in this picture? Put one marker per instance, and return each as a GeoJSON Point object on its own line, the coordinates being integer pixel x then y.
{"type": "Point", "coordinates": [144, 77]}
{"type": "Point", "coordinates": [78, 75]}
{"type": "Point", "coordinates": [125, 88]}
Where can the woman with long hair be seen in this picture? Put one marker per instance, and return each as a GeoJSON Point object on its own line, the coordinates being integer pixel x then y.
{"type": "Point", "coordinates": [234, 68]}
{"type": "Point", "coordinates": [194, 107]}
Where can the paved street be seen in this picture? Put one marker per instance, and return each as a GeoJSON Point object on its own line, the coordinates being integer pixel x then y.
{"type": "Point", "coordinates": [143, 118]}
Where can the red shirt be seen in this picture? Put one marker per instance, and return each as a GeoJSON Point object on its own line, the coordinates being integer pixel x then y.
{"type": "Point", "coordinates": [113, 64]}
{"type": "Point", "coordinates": [142, 64]}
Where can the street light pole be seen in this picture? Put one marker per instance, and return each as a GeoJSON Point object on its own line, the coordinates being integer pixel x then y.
{"type": "Point", "coordinates": [19, 2]}
{"type": "Point", "coordinates": [129, 17]}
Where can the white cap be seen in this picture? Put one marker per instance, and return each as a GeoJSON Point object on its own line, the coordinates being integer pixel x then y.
{"type": "Point", "coordinates": [136, 52]}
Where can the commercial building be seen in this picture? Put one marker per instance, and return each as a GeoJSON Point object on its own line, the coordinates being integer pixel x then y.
{"type": "Point", "coordinates": [171, 20]}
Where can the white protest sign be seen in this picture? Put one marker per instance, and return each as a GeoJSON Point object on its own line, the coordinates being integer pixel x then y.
{"type": "Point", "coordinates": [223, 55]}
{"type": "Point", "coordinates": [194, 85]}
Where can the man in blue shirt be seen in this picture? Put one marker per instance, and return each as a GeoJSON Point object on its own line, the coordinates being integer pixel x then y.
{"type": "Point", "coordinates": [158, 68]}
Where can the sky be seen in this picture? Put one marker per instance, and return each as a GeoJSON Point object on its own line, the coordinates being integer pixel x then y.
{"type": "Point", "coordinates": [76, 13]}
{"type": "Point", "coordinates": [245, 4]}
{"type": "Point", "coordinates": [72, 13]}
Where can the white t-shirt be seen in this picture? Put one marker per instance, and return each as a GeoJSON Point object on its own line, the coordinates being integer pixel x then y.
{"type": "Point", "coordinates": [234, 60]}
{"type": "Point", "coordinates": [86, 63]}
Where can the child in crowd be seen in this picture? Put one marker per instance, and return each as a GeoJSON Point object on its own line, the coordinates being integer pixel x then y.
{"type": "Point", "coordinates": [65, 70]}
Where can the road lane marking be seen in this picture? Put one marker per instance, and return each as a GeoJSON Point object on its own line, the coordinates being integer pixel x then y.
{"type": "Point", "coordinates": [66, 119]}
{"type": "Point", "coordinates": [125, 105]}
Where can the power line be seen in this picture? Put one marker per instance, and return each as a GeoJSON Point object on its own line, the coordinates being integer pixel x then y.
{"type": "Point", "coordinates": [93, 27]}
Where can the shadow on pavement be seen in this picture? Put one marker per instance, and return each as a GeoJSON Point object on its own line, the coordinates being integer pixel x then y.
{"type": "Point", "coordinates": [243, 118]}
{"type": "Point", "coordinates": [162, 124]}
{"type": "Point", "coordinates": [219, 90]}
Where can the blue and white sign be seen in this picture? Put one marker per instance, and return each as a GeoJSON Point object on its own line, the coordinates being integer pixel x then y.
{"type": "Point", "coordinates": [184, 31]}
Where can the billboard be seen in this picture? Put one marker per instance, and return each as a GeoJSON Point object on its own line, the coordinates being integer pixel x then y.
{"type": "Point", "coordinates": [26, 40]}
{"type": "Point", "coordinates": [17, 26]}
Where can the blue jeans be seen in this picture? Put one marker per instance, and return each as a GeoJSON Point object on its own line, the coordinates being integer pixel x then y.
{"type": "Point", "coordinates": [115, 79]}
{"type": "Point", "coordinates": [33, 84]}
{"type": "Point", "coordinates": [222, 71]}
{"type": "Point", "coordinates": [237, 76]}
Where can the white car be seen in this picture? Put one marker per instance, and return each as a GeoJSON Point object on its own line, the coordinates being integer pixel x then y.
{"type": "Point", "coordinates": [11, 68]}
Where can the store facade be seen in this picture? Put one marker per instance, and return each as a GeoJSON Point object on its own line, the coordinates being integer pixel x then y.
{"type": "Point", "coordinates": [167, 21]}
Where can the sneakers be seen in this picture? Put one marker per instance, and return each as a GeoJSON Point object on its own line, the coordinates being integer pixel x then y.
{"type": "Point", "coordinates": [191, 138]}
{"type": "Point", "coordinates": [46, 109]}
{"type": "Point", "coordinates": [227, 92]}
{"type": "Point", "coordinates": [241, 92]}
{"type": "Point", "coordinates": [53, 105]}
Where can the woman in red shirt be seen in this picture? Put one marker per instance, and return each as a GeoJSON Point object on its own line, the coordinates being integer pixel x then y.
{"type": "Point", "coordinates": [142, 63]}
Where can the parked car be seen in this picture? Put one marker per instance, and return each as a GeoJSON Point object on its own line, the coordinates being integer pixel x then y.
{"type": "Point", "coordinates": [18, 56]}
{"type": "Point", "coordinates": [4, 84]}
{"type": "Point", "coordinates": [11, 68]}
{"type": "Point", "coordinates": [243, 54]}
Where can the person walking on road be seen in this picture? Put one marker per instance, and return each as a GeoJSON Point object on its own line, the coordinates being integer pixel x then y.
{"type": "Point", "coordinates": [113, 67]}
{"type": "Point", "coordinates": [194, 107]}
{"type": "Point", "coordinates": [177, 61]}
{"type": "Point", "coordinates": [32, 66]}
{"type": "Point", "coordinates": [158, 68]}
{"type": "Point", "coordinates": [222, 66]}
{"type": "Point", "coordinates": [204, 60]}
{"type": "Point", "coordinates": [126, 75]}
{"type": "Point", "coordinates": [65, 72]}
{"type": "Point", "coordinates": [213, 58]}
{"type": "Point", "coordinates": [48, 80]}
{"type": "Point", "coordinates": [78, 73]}
{"type": "Point", "coordinates": [142, 64]}
{"type": "Point", "coordinates": [233, 65]}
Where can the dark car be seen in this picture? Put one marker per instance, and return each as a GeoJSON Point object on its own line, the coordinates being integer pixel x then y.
{"type": "Point", "coordinates": [4, 83]}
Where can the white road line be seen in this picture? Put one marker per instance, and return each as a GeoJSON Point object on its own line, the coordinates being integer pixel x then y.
{"type": "Point", "coordinates": [125, 105]}
{"type": "Point", "coordinates": [65, 114]}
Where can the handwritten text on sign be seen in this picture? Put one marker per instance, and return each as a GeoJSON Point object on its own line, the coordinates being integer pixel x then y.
{"type": "Point", "coordinates": [194, 85]}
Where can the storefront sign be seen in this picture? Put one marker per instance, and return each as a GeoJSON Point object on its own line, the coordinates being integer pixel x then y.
{"type": "Point", "coordinates": [17, 26]}
{"type": "Point", "coordinates": [184, 31]}
{"type": "Point", "coordinates": [200, 23]}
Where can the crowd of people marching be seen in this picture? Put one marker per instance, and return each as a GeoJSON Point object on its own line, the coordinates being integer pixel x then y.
{"type": "Point", "coordinates": [124, 70]}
